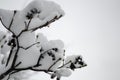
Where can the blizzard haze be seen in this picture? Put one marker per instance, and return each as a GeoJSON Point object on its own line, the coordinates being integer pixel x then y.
{"type": "Point", "coordinates": [90, 28]}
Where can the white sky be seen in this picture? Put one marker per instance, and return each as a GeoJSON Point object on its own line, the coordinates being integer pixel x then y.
{"type": "Point", "coordinates": [90, 28]}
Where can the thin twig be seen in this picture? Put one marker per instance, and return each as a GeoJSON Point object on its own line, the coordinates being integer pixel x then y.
{"type": "Point", "coordinates": [9, 55]}
{"type": "Point", "coordinates": [54, 63]}
{"type": "Point", "coordinates": [40, 56]}
{"type": "Point", "coordinates": [18, 64]}
{"type": "Point", "coordinates": [12, 19]}
{"type": "Point", "coordinates": [46, 24]}
{"type": "Point", "coordinates": [65, 64]}
{"type": "Point", "coordinates": [28, 46]}
{"type": "Point", "coordinates": [26, 27]}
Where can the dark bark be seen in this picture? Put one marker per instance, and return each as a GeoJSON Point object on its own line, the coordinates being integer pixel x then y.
{"type": "Point", "coordinates": [2, 76]}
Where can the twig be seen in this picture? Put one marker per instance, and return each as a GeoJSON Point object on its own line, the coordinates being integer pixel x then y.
{"type": "Point", "coordinates": [65, 64]}
{"type": "Point", "coordinates": [29, 46]}
{"type": "Point", "coordinates": [11, 74]}
{"type": "Point", "coordinates": [18, 64]}
{"type": "Point", "coordinates": [12, 19]}
{"type": "Point", "coordinates": [40, 57]}
{"type": "Point", "coordinates": [26, 27]}
{"type": "Point", "coordinates": [54, 63]}
{"type": "Point", "coordinates": [9, 55]}
{"type": "Point", "coordinates": [46, 24]}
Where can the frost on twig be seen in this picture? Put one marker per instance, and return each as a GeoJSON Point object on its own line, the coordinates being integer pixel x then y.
{"type": "Point", "coordinates": [22, 50]}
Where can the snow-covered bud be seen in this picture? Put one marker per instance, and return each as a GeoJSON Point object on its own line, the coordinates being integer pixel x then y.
{"type": "Point", "coordinates": [74, 62]}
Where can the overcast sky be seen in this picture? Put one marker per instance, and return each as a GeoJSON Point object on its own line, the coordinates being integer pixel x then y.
{"type": "Point", "coordinates": [90, 28]}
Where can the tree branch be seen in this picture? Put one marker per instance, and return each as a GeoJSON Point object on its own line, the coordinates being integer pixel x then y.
{"type": "Point", "coordinates": [6, 73]}
{"type": "Point", "coordinates": [41, 55]}
{"type": "Point", "coordinates": [11, 74]}
{"type": "Point", "coordinates": [11, 51]}
{"type": "Point", "coordinates": [46, 24]}
{"type": "Point", "coordinates": [54, 64]}
{"type": "Point", "coordinates": [18, 64]}
{"type": "Point", "coordinates": [29, 46]}
{"type": "Point", "coordinates": [12, 19]}
{"type": "Point", "coordinates": [65, 64]}
{"type": "Point", "coordinates": [26, 27]}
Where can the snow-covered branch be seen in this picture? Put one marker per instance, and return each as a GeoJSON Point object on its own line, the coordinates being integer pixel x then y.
{"type": "Point", "coordinates": [21, 50]}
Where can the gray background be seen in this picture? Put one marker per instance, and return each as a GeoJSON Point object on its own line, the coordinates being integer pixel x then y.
{"type": "Point", "coordinates": [90, 28]}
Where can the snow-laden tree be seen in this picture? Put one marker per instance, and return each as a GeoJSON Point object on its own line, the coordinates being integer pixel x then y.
{"type": "Point", "coordinates": [23, 51]}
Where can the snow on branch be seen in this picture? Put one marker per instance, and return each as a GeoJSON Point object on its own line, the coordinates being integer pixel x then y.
{"type": "Point", "coordinates": [22, 50]}
{"type": "Point", "coordinates": [37, 14]}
